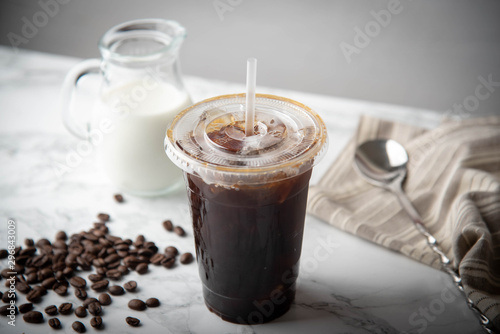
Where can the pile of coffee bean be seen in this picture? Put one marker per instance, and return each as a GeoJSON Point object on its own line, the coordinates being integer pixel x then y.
{"type": "Point", "coordinates": [57, 265]}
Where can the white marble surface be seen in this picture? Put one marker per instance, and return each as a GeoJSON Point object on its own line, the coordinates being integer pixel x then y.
{"type": "Point", "coordinates": [358, 288]}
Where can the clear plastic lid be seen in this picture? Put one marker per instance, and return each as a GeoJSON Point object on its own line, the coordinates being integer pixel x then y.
{"type": "Point", "coordinates": [208, 139]}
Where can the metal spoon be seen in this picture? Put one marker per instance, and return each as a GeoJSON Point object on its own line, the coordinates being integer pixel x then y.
{"type": "Point", "coordinates": [382, 162]}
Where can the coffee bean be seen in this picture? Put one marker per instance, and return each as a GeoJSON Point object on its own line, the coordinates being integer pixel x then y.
{"type": "Point", "coordinates": [152, 302]}
{"type": "Point", "coordinates": [19, 269]}
{"type": "Point", "coordinates": [122, 253]}
{"type": "Point", "coordinates": [48, 283]}
{"type": "Point", "coordinates": [51, 310]}
{"type": "Point", "coordinates": [32, 278]}
{"type": "Point", "coordinates": [23, 308]}
{"type": "Point", "coordinates": [40, 260]}
{"type": "Point", "coordinates": [78, 327]}
{"type": "Point", "coordinates": [119, 198]}
{"type": "Point", "coordinates": [122, 247]}
{"type": "Point", "coordinates": [3, 254]}
{"type": "Point", "coordinates": [179, 231]}
{"type": "Point", "coordinates": [78, 282]}
{"type": "Point", "coordinates": [167, 224]}
{"type": "Point", "coordinates": [103, 217]}
{"type": "Point", "coordinates": [34, 296]}
{"type": "Point", "coordinates": [60, 244]}
{"type": "Point", "coordinates": [142, 268]}
{"type": "Point", "coordinates": [114, 265]}
{"type": "Point", "coordinates": [130, 286]}
{"type": "Point", "coordinates": [157, 258]}
{"type": "Point", "coordinates": [47, 273]}
{"type": "Point", "coordinates": [113, 238]}
{"type": "Point", "coordinates": [42, 242]}
{"type": "Point", "coordinates": [105, 242]}
{"type": "Point", "coordinates": [54, 323]}
{"type": "Point", "coordinates": [131, 261]}
{"type": "Point", "coordinates": [139, 240]}
{"type": "Point", "coordinates": [81, 312]}
{"type": "Point", "coordinates": [101, 271]}
{"type": "Point", "coordinates": [4, 310]}
{"type": "Point", "coordinates": [96, 322]}
{"type": "Point", "coordinates": [29, 270]}
{"type": "Point", "coordinates": [33, 317]}
{"type": "Point", "coordinates": [89, 301]}
{"type": "Point", "coordinates": [81, 294]}
{"type": "Point", "coordinates": [171, 249]}
{"type": "Point", "coordinates": [60, 289]}
{"type": "Point", "coordinates": [23, 287]}
{"type": "Point", "coordinates": [88, 236]}
{"type": "Point", "coordinates": [99, 262]}
{"type": "Point", "coordinates": [134, 322]}
{"type": "Point", "coordinates": [110, 251]}
{"type": "Point", "coordinates": [83, 263]}
{"type": "Point", "coordinates": [95, 278]}
{"type": "Point", "coordinates": [137, 304]}
{"type": "Point", "coordinates": [151, 246]}
{"type": "Point", "coordinates": [123, 270]}
{"type": "Point", "coordinates": [40, 289]}
{"type": "Point", "coordinates": [112, 258]}
{"type": "Point", "coordinates": [186, 258]}
{"type": "Point", "coordinates": [29, 242]}
{"type": "Point", "coordinates": [143, 259]}
{"type": "Point", "coordinates": [65, 308]}
{"type": "Point", "coordinates": [95, 308]}
{"type": "Point", "coordinates": [168, 262]}
{"type": "Point", "coordinates": [21, 260]}
{"type": "Point", "coordinates": [114, 274]}
{"type": "Point", "coordinates": [116, 290]}
{"type": "Point", "coordinates": [100, 226]}
{"type": "Point", "coordinates": [29, 251]}
{"type": "Point", "coordinates": [74, 249]}
{"type": "Point", "coordinates": [61, 235]}
{"type": "Point", "coordinates": [57, 266]}
{"type": "Point", "coordinates": [59, 275]}
{"type": "Point", "coordinates": [5, 273]}
{"type": "Point", "coordinates": [99, 234]}
{"type": "Point", "coordinates": [145, 252]}
{"type": "Point", "coordinates": [8, 296]}
{"type": "Point", "coordinates": [100, 285]}
{"type": "Point", "coordinates": [104, 299]}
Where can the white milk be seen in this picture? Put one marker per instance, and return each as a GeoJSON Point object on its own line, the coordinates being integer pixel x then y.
{"type": "Point", "coordinates": [132, 152]}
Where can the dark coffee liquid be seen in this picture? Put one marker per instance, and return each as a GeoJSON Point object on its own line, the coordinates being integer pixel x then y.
{"type": "Point", "coordinates": [248, 244]}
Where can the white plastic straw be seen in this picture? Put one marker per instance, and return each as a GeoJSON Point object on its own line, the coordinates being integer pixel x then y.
{"type": "Point", "coordinates": [251, 83]}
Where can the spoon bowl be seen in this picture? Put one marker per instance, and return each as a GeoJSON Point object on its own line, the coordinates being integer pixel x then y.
{"type": "Point", "coordinates": [381, 161]}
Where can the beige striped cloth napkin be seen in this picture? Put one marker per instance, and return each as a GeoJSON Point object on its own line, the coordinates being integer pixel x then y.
{"type": "Point", "coordinates": [453, 181]}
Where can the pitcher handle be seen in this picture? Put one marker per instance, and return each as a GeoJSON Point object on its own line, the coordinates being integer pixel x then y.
{"type": "Point", "coordinates": [68, 87]}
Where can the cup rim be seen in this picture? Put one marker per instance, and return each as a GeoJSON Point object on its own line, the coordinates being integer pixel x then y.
{"type": "Point", "coordinates": [177, 35]}
{"type": "Point", "coordinates": [213, 172]}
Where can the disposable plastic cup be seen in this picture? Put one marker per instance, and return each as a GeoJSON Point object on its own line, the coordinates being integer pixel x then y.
{"type": "Point", "coordinates": [248, 198]}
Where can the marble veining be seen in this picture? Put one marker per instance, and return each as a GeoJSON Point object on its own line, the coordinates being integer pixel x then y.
{"type": "Point", "coordinates": [358, 287]}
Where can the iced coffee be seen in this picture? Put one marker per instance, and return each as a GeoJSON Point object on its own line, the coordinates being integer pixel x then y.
{"type": "Point", "coordinates": [248, 199]}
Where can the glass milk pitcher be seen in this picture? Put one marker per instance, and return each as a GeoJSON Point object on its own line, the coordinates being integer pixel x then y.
{"type": "Point", "coordinates": [141, 92]}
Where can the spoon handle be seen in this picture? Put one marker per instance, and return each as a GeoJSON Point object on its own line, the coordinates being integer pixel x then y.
{"type": "Point", "coordinates": [417, 220]}
{"type": "Point", "coordinates": [396, 188]}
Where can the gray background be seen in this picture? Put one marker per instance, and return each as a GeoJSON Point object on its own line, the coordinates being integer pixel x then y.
{"type": "Point", "coordinates": [430, 55]}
